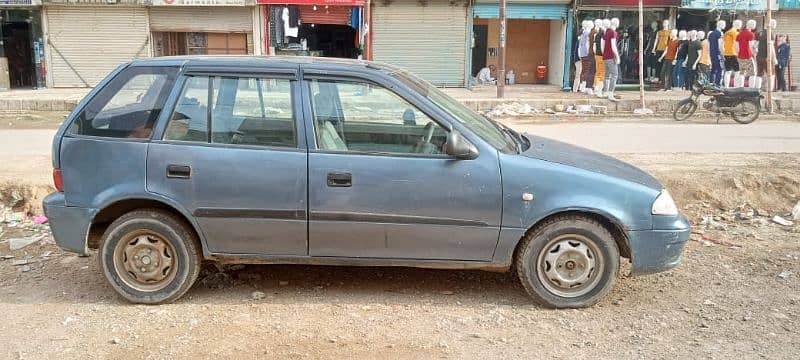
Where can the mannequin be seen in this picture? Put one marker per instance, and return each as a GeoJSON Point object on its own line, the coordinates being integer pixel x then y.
{"type": "Point", "coordinates": [761, 55]}
{"type": "Point", "coordinates": [692, 58]}
{"type": "Point", "coordinates": [729, 53]}
{"type": "Point", "coordinates": [679, 71]}
{"type": "Point", "coordinates": [587, 61]}
{"type": "Point", "coordinates": [715, 52]}
{"type": "Point", "coordinates": [576, 81]}
{"type": "Point", "coordinates": [600, 70]}
{"type": "Point", "coordinates": [662, 39]}
{"type": "Point", "coordinates": [589, 65]}
{"type": "Point", "coordinates": [611, 57]}
{"type": "Point", "coordinates": [666, 60]}
{"type": "Point", "coordinates": [745, 42]}
{"type": "Point", "coordinates": [703, 65]}
{"type": "Point", "coordinates": [650, 57]}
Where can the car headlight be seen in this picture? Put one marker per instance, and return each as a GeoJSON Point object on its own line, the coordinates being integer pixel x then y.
{"type": "Point", "coordinates": [664, 204]}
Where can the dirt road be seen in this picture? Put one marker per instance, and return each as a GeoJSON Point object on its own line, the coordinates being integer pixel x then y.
{"type": "Point", "coordinates": [737, 295]}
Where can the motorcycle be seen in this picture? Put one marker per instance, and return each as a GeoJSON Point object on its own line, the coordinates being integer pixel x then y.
{"type": "Point", "coordinates": [743, 104]}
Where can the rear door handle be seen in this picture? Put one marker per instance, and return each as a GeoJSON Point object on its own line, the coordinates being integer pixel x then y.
{"type": "Point", "coordinates": [179, 171]}
{"type": "Point", "coordinates": [340, 180]}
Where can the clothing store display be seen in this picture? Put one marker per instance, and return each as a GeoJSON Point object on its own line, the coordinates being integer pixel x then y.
{"type": "Point", "coordinates": [727, 42]}
{"type": "Point", "coordinates": [608, 50]}
{"type": "Point", "coordinates": [610, 60]}
{"type": "Point", "coordinates": [747, 67]}
{"type": "Point", "coordinates": [702, 73]}
{"type": "Point", "coordinates": [650, 60]}
{"type": "Point", "coordinates": [666, 63]}
{"type": "Point", "coordinates": [663, 40]}
{"type": "Point", "coordinates": [290, 17]}
{"type": "Point", "coordinates": [693, 49]}
{"type": "Point", "coordinates": [704, 66]}
{"type": "Point", "coordinates": [626, 54]}
{"type": "Point", "coordinates": [587, 58]}
{"type": "Point", "coordinates": [731, 63]}
{"type": "Point", "coordinates": [600, 71]}
{"type": "Point", "coordinates": [716, 57]}
{"type": "Point", "coordinates": [761, 55]}
{"type": "Point", "coordinates": [612, 74]}
{"type": "Point", "coordinates": [679, 71]}
{"type": "Point", "coordinates": [743, 39]}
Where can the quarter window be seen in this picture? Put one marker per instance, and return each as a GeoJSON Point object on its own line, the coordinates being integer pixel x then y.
{"type": "Point", "coordinates": [364, 117]}
{"type": "Point", "coordinates": [244, 111]}
{"type": "Point", "coordinates": [128, 106]}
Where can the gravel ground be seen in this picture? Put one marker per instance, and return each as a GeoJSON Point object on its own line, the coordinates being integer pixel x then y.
{"type": "Point", "coordinates": [737, 295]}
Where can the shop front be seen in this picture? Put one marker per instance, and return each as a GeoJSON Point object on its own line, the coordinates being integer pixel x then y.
{"type": "Point", "coordinates": [704, 14]}
{"type": "Point", "coordinates": [427, 37]}
{"type": "Point", "coordinates": [325, 28]}
{"type": "Point", "coordinates": [627, 11]}
{"type": "Point", "coordinates": [788, 19]}
{"type": "Point", "coordinates": [201, 27]}
{"type": "Point", "coordinates": [86, 39]}
{"type": "Point", "coordinates": [536, 46]}
{"type": "Point", "coordinates": [21, 51]}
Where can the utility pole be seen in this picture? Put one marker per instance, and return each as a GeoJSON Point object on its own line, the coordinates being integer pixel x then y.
{"type": "Point", "coordinates": [642, 110]}
{"type": "Point", "coordinates": [501, 53]}
{"type": "Point", "coordinates": [770, 55]}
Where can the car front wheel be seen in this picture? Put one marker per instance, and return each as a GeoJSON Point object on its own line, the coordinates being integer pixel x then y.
{"type": "Point", "coordinates": [568, 262]}
{"type": "Point", "coordinates": [150, 256]}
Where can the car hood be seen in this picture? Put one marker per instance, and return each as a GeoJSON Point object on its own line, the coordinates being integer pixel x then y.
{"type": "Point", "coordinates": [562, 153]}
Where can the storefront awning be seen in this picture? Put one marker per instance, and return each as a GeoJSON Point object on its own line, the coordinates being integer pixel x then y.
{"type": "Point", "coordinates": [313, 2]}
{"type": "Point", "coordinates": [758, 5]}
{"type": "Point", "coordinates": [631, 3]}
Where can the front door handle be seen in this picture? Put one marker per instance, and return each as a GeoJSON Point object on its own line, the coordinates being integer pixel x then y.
{"type": "Point", "coordinates": [179, 171]}
{"type": "Point", "coordinates": [340, 180]}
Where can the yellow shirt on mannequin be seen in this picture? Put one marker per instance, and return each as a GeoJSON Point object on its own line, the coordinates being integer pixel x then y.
{"type": "Point", "coordinates": [663, 39]}
{"type": "Point", "coordinates": [727, 42]}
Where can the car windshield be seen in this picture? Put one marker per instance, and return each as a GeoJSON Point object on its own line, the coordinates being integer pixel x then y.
{"type": "Point", "coordinates": [480, 125]}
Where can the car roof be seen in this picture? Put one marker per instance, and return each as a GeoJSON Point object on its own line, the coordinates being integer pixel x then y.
{"type": "Point", "coordinates": [240, 61]}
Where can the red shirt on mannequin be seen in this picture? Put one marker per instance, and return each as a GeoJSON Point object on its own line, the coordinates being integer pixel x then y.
{"type": "Point", "coordinates": [744, 38]}
{"type": "Point", "coordinates": [608, 51]}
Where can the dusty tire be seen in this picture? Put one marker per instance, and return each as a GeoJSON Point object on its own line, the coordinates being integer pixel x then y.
{"type": "Point", "coordinates": [568, 262]}
{"type": "Point", "coordinates": [684, 109]}
{"type": "Point", "coordinates": [753, 109]}
{"type": "Point", "coordinates": [165, 249]}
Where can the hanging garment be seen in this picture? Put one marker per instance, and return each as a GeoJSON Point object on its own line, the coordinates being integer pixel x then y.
{"type": "Point", "coordinates": [289, 23]}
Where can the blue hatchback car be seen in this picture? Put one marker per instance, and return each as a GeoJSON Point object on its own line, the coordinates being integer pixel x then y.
{"type": "Point", "coordinates": [172, 161]}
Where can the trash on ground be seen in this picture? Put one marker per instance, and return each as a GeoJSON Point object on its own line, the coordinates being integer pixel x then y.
{"type": "Point", "coordinates": [785, 274]}
{"type": "Point", "coordinates": [781, 221]}
{"type": "Point", "coordinates": [796, 211]}
{"type": "Point", "coordinates": [39, 219]}
{"type": "Point", "coordinates": [19, 243]}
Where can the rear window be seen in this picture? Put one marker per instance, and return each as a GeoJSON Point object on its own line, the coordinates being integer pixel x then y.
{"type": "Point", "coordinates": [128, 106]}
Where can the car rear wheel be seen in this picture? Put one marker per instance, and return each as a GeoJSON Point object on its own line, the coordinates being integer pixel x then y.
{"type": "Point", "coordinates": [568, 262]}
{"type": "Point", "coordinates": [150, 256]}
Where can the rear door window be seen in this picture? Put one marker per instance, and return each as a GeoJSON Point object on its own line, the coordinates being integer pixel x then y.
{"type": "Point", "coordinates": [128, 106]}
{"type": "Point", "coordinates": [243, 111]}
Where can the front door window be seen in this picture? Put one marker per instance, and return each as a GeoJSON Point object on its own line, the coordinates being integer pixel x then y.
{"type": "Point", "coordinates": [363, 117]}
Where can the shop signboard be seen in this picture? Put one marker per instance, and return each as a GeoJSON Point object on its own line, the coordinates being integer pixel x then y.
{"type": "Point", "coordinates": [790, 4]}
{"type": "Point", "coordinates": [197, 2]}
{"type": "Point", "coordinates": [20, 2]}
{"type": "Point", "coordinates": [758, 5]}
{"type": "Point", "coordinates": [631, 3]}
{"type": "Point", "coordinates": [314, 2]}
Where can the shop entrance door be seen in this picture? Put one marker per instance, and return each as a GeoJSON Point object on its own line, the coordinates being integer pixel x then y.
{"type": "Point", "coordinates": [18, 49]}
{"type": "Point", "coordinates": [480, 33]}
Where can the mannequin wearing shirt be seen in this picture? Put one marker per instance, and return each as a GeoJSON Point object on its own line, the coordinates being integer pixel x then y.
{"type": "Point", "coordinates": [704, 62]}
{"type": "Point", "coordinates": [678, 71]}
{"type": "Point", "coordinates": [662, 39]}
{"type": "Point", "coordinates": [651, 61]}
{"type": "Point", "coordinates": [587, 59]}
{"type": "Point", "coordinates": [666, 60]}
{"type": "Point", "coordinates": [729, 52]}
{"type": "Point", "coordinates": [576, 51]}
{"type": "Point", "coordinates": [715, 49]}
{"type": "Point", "coordinates": [692, 57]}
{"type": "Point", "coordinates": [611, 57]}
{"type": "Point", "coordinates": [600, 70]}
{"type": "Point", "coordinates": [745, 42]}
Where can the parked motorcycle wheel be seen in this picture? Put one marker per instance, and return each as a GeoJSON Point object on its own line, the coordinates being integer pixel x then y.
{"type": "Point", "coordinates": [749, 113]}
{"type": "Point", "coordinates": [684, 109]}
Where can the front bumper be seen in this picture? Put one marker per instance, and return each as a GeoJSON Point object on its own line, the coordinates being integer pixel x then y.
{"type": "Point", "coordinates": [660, 249]}
{"type": "Point", "coordinates": [69, 224]}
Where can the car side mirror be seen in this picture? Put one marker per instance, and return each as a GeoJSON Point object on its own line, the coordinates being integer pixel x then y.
{"type": "Point", "coordinates": [459, 147]}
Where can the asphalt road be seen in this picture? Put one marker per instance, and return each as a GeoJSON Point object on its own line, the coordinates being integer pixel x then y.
{"type": "Point", "coordinates": [609, 137]}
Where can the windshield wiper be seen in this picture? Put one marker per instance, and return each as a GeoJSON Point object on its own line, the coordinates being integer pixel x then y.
{"type": "Point", "coordinates": [515, 137]}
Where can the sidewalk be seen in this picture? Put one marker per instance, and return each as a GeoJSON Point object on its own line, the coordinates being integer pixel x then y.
{"type": "Point", "coordinates": [480, 98]}
{"type": "Point", "coordinates": [543, 97]}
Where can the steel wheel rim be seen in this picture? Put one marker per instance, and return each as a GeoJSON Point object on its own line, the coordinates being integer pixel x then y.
{"type": "Point", "coordinates": [570, 265]}
{"type": "Point", "coordinates": [145, 261]}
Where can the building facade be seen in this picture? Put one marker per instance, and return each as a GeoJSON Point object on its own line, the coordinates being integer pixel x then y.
{"type": "Point", "coordinates": [21, 44]}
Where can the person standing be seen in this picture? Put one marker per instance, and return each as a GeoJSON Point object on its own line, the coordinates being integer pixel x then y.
{"type": "Point", "coordinates": [782, 54]}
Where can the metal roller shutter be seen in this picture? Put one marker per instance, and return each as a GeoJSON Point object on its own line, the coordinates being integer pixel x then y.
{"type": "Point", "coordinates": [201, 19]}
{"type": "Point", "coordinates": [427, 38]}
{"type": "Point", "coordinates": [789, 23]}
{"type": "Point", "coordinates": [86, 43]}
{"type": "Point", "coordinates": [522, 11]}
{"type": "Point", "coordinates": [334, 15]}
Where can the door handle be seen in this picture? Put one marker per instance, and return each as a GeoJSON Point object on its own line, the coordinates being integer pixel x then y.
{"type": "Point", "coordinates": [340, 180]}
{"type": "Point", "coordinates": [179, 171]}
